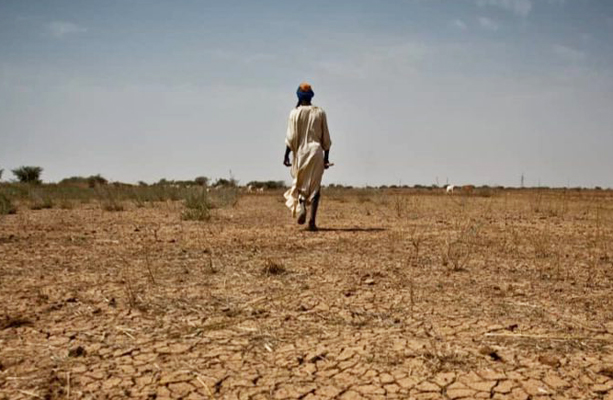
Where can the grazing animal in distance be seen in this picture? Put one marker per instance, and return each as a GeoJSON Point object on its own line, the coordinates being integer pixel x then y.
{"type": "Point", "coordinates": [449, 189]}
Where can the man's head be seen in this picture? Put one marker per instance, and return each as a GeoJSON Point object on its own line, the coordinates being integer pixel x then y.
{"type": "Point", "coordinates": [305, 93]}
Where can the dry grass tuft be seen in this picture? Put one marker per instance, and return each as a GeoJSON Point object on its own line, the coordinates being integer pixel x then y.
{"type": "Point", "coordinates": [273, 268]}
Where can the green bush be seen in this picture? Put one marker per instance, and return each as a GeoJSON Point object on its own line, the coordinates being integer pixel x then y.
{"type": "Point", "coordinates": [28, 174]}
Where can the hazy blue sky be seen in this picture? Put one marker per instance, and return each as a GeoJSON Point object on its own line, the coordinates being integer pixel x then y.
{"type": "Point", "coordinates": [469, 91]}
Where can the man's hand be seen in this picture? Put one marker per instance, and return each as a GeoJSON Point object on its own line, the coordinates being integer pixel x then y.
{"type": "Point", "coordinates": [327, 163]}
{"type": "Point", "coordinates": [286, 162]}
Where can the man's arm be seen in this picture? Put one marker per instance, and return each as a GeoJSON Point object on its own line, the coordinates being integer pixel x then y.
{"type": "Point", "coordinates": [286, 161]}
{"type": "Point", "coordinates": [325, 139]}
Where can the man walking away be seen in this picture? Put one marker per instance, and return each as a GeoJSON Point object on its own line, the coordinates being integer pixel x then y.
{"type": "Point", "coordinates": [308, 139]}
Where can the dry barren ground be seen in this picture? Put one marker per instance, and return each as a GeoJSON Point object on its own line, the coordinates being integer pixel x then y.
{"type": "Point", "coordinates": [401, 295]}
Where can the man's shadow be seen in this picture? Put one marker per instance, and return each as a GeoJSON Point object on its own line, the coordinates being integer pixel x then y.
{"type": "Point", "coordinates": [351, 229]}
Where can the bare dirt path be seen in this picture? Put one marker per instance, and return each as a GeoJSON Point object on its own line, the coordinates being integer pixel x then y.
{"type": "Point", "coordinates": [400, 295]}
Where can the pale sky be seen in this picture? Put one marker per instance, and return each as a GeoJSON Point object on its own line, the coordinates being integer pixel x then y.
{"type": "Point", "coordinates": [463, 91]}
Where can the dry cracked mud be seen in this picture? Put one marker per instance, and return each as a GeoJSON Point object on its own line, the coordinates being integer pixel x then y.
{"type": "Point", "coordinates": [400, 295]}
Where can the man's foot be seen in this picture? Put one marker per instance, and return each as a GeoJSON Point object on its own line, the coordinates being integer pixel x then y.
{"type": "Point", "coordinates": [312, 227]}
{"type": "Point", "coordinates": [303, 213]}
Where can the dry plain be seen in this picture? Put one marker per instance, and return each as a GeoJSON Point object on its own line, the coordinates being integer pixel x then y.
{"type": "Point", "coordinates": [402, 294]}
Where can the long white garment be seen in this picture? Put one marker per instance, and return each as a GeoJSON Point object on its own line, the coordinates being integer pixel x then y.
{"type": "Point", "coordinates": [307, 137]}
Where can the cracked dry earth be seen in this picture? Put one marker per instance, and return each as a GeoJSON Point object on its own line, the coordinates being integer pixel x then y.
{"type": "Point", "coordinates": [401, 295]}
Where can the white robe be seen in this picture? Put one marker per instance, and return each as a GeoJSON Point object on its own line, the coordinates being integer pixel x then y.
{"type": "Point", "coordinates": [307, 137]}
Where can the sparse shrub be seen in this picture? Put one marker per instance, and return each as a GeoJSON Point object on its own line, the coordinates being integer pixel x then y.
{"type": "Point", "coordinates": [66, 204]}
{"type": "Point", "coordinates": [198, 206]}
{"type": "Point", "coordinates": [226, 197]}
{"type": "Point", "coordinates": [6, 205]}
{"type": "Point", "coordinates": [28, 174]}
{"type": "Point", "coordinates": [40, 200]}
{"type": "Point", "coordinates": [458, 251]}
{"type": "Point", "coordinates": [536, 201]}
{"type": "Point", "coordinates": [399, 206]}
{"type": "Point", "coordinates": [109, 200]}
{"type": "Point", "coordinates": [273, 268]}
{"type": "Point", "coordinates": [1, 171]}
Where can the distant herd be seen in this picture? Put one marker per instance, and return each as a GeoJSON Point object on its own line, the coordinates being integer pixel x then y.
{"type": "Point", "coordinates": [449, 189]}
{"type": "Point", "coordinates": [466, 189]}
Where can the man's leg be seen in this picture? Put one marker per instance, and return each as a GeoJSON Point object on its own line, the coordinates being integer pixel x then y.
{"type": "Point", "coordinates": [314, 206]}
{"type": "Point", "coordinates": [303, 210]}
